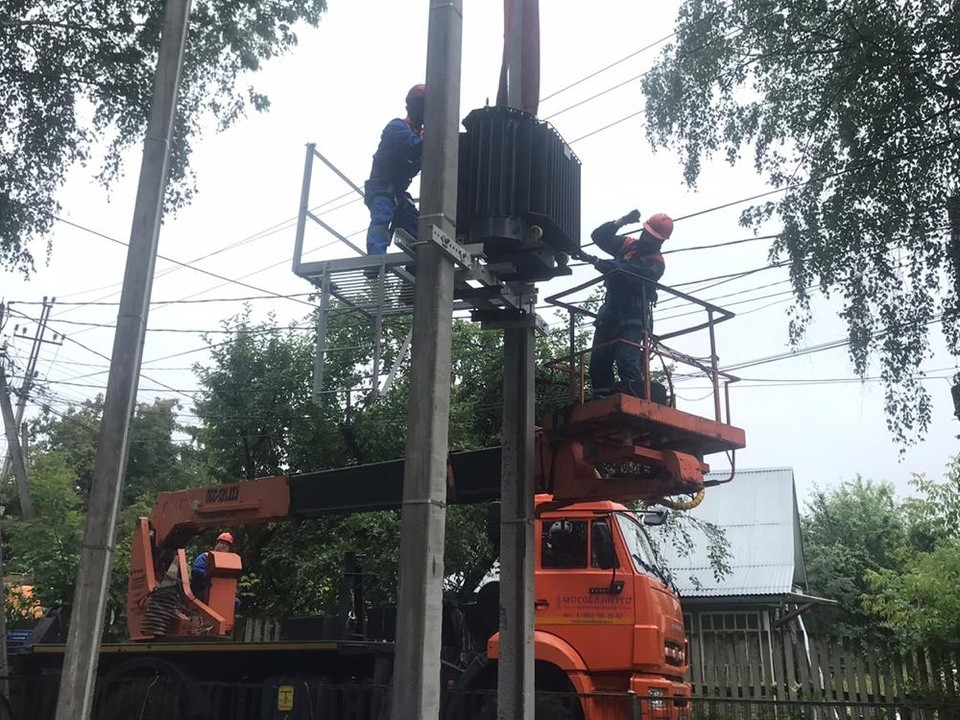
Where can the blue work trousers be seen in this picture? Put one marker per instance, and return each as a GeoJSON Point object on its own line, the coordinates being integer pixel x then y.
{"type": "Point", "coordinates": [611, 327]}
{"type": "Point", "coordinates": [388, 210]}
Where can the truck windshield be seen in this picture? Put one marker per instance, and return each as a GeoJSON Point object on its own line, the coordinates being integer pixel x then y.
{"type": "Point", "coordinates": [644, 559]}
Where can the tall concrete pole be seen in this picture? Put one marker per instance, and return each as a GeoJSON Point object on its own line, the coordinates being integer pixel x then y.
{"type": "Point", "coordinates": [13, 446]}
{"type": "Point", "coordinates": [96, 556]}
{"type": "Point", "coordinates": [416, 675]}
{"type": "Point", "coordinates": [27, 386]}
{"type": "Point", "coordinates": [515, 680]}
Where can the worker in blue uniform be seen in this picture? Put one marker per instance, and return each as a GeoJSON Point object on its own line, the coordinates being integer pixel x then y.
{"type": "Point", "coordinates": [199, 572]}
{"type": "Point", "coordinates": [627, 310]}
{"type": "Point", "coordinates": [395, 164]}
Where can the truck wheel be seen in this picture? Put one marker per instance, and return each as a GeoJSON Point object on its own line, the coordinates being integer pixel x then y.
{"type": "Point", "coordinates": [145, 688]}
{"type": "Point", "coordinates": [556, 707]}
{"type": "Point", "coordinates": [544, 708]}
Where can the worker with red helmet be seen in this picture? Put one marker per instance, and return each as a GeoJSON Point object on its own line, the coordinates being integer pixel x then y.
{"type": "Point", "coordinates": [395, 164]}
{"type": "Point", "coordinates": [199, 579]}
{"type": "Point", "coordinates": [627, 310]}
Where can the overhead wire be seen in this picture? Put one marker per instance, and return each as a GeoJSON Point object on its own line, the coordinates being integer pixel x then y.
{"type": "Point", "coordinates": [96, 233]}
{"type": "Point", "coordinates": [604, 69]}
{"type": "Point", "coordinates": [68, 338]}
{"type": "Point", "coordinates": [266, 232]}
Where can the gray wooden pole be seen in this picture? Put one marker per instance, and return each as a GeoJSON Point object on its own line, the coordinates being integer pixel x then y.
{"type": "Point", "coordinates": [13, 446]}
{"type": "Point", "coordinates": [416, 674]}
{"type": "Point", "coordinates": [515, 681]}
{"type": "Point", "coordinates": [96, 555]}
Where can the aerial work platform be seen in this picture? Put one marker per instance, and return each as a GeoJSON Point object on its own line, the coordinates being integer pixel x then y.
{"type": "Point", "coordinates": [624, 418]}
{"type": "Point", "coordinates": [626, 448]}
{"type": "Point", "coordinates": [518, 224]}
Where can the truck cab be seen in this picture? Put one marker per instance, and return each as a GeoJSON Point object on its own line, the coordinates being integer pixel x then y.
{"type": "Point", "coordinates": [607, 617]}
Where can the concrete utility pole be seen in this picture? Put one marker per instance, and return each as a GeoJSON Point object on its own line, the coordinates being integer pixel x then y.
{"type": "Point", "coordinates": [515, 680]}
{"type": "Point", "coordinates": [89, 599]}
{"type": "Point", "coordinates": [13, 446]}
{"type": "Point", "coordinates": [38, 340]}
{"type": "Point", "coordinates": [416, 674]}
{"type": "Point", "coordinates": [515, 686]}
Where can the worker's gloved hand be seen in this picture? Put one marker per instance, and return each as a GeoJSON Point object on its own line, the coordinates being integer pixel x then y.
{"type": "Point", "coordinates": [630, 218]}
{"type": "Point", "coordinates": [605, 266]}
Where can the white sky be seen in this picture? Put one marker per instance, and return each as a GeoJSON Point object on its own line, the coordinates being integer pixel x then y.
{"type": "Point", "coordinates": [338, 89]}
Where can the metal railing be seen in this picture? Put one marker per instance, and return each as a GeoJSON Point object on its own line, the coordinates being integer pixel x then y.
{"type": "Point", "coordinates": [652, 345]}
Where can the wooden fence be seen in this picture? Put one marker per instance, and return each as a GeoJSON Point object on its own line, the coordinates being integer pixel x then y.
{"type": "Point", "coordinates": [784, 667]}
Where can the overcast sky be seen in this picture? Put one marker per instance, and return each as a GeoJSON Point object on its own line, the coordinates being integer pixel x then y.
{"type": "Point", "coordinates": [338, 89]}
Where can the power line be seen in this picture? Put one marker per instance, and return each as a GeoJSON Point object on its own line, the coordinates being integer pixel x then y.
{"type": "Point", "coordinates": [267, 232]}
{"type": "Point", "coordinates": [194, 331]}
{"type": "Point", "coordinates": [831, 345]}
{"type": "Point", "coordinates": [820, 178]}
{"type": "Point", "coordinates": [721, 245]}
{"type": "Point", "coordinates": [93, 303]}
{"type": "Point", "coordinates": [732, 276]}
{"type": "Point", "coordinates": [182, 264]}
{"type": "Point", "coordinates": [606, 127]}
{"type": "Point", "coordinates": [822, 382]}
{"type": "Point", "coordinates": [89, 349]}
{"type": "Point", "coordinates": [608, 67]}
{"type": "Point", "coordinates": [598, 95]}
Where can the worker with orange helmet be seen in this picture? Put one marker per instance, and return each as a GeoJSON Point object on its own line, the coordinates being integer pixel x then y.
{"type": "Point", "coordinates": [199, 580]}
{"type": "Point", "coordinates": [395, 164]}
{"type": "Point", "coordinates": [627, 310]}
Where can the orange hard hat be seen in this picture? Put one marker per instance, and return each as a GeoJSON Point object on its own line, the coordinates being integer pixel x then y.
{"type": "Point", "coordinates": [225, 537]}
{"type": "Point", "coordinates": [417, 91]}
{"type": "Point", "coordinates": [659, 225]}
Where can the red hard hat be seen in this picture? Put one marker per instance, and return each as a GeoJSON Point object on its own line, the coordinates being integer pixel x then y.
{"type": "Point", "coordinates": [417, 91]}
{"type": "Point", "coordinates": [659, 225]}
{"type": "Point", "coordinates": [225, 537]}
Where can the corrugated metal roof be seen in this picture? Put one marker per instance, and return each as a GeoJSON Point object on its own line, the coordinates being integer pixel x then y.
{"type": "Point", "coordinates": [758, 512]}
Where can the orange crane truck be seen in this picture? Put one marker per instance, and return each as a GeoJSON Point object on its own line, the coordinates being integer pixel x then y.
{"type": "Point", "coordinates": [608, 622]}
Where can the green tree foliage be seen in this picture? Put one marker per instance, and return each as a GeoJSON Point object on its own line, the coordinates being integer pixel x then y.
{"type": "Point", "coordinates": [918, 602]}
{"type": "Point", "coordinates": [78, 74]}
{"type": "Point", "coordinates": [848, 531]}
{"type": "Point", "coordinates": [258, 418]}
{"type": "Point", "coordinates": [255, 395]}
{"type": "Point", "coordinates": [890, 562]}
{"type": "Point", "coordinates": [850, 110]}
{"type": "Point", "coordinates": [258, 388]}
{"type": "Point", "coordinates": [46, 548]}
{"type": "Point", "coordinates": [156, 462]}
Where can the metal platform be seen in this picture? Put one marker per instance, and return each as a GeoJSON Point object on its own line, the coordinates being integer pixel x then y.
{"type": "Point", "coordinates": [382, 286]}
{"type": "Point", "coordinates": [628, 420]}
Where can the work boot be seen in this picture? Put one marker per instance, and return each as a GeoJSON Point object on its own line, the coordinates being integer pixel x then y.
{"type": "Point", "coordinates": [599, 393]}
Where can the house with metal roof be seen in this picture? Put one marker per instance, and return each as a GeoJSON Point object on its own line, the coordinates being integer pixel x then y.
{"type": "Point", "coordinates": [750, 617]}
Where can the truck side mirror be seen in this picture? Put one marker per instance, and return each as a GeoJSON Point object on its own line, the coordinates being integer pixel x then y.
{"type": "Point", "coordinates": [655, 518]}
{"type": "Point", "coordinates": [603, 551]}
{"type": "Point", "coordinates": [493, 523]}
